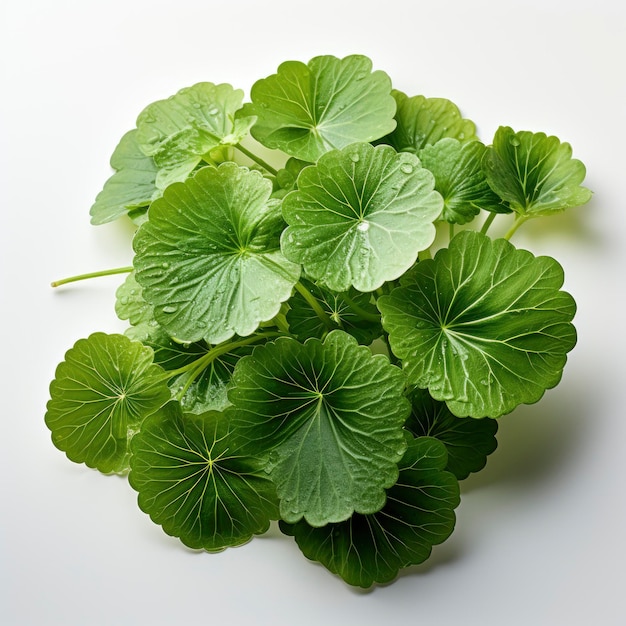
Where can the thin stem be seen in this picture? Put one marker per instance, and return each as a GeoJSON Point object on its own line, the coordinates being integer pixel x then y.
{"type": "Point", "coordinates": [362, 313]}
{"type": "Point", "coordinates": [316, 306]}
{"type": "Point", "coordinates": [257, 159]}
{"type": "Point", "coordinates": [488, 222]}
{"type": "Point", "coordinates": [73, 279]}
{"type": "Point", "coordinates": [518, 222]}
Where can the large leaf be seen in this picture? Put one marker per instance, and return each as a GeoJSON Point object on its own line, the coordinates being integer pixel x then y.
{"type": "Point", "coordinates": [460, 179]}
{"type": "Point", "coordinates": [468, 441]}
{"type": "Point", "coordinates": [194, 483]}
{"type": "Point", "coordinates": [208, 259]}
{"type": "Point", "coordinates": [535, 173]}
{"type": "Point", "coordinates": [306, 110]}
{"type": "Point", "coordinates": [100, 395]}
{"type": "Point", "coordinates": [424, 121]}
{"type": "Point", "coordinates": [418, 514]}
{"type": "Point", "coordinates": [132, 186]}
{"type": "Point", "coordinates": [360, 216]}
{"type": "Point", "coordinates": [483, 325]}
{"type": "Point", "coordinates": [331, 414]}
{"type": "Point", "coordinates": [188, 127]}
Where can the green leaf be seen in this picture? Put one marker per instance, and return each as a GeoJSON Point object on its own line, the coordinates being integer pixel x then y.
{"type": "Point", "coordinates": [208, 259]}
{"type": "Point", "coordinates": [99, 397]}
{"type": "Point", "coordinates": [192, 481]}
{"type": "Point", "coordinates": [360, 216]}
{"type": "Point", "coordinates": [418, 514]}
{"type": "Point", "coordinates": [344, 309]}
{"type": "Point", "coordinates": [188, 127]}
{"type": "Point", "coordinates": [331, 414]}
{"type": "Point", "coordinates": [535, 173]}
{"type": "Point", "coordinates": [131, 187]}
{"type": "Point", "coordinates": [305, 110]}
{"type": "Point", "coordinates": [130, 305]}
{"type": "Point", "coordinates": [468, 441]}
{"type": "Point", "coordinates": [483, 325]}
{"type": "Point", "coordinates": [460, 179]}
{"type": "Point", "coordinates": [424, 121]}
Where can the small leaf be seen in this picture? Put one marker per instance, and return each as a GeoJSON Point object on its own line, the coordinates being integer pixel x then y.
{"type": "Point", "coordinates": [360, 216]}
{"type": "Point", "coordinates": [305, 110]}
{"type": "Point", "coordinates": [342, 309]}
{"type": "Point", "coordinates": [101, 393]}
{"type": "Point", "coordinates": [460, 179]}
{"type": "Point", "coordinates": [331, 415]}
{"type": "Point", "coordinates": [192, 480]}
{"type": "Point", "coordinates": [208, 259]}
{"type": "Point", "coordinates": [468, 441]}
{"type": "Point", "coordinates": [535, 173]}
{"type": "Point", "coordinates": [131, 187]}
{"type": "Point", "coordinates": [184, 129]}
{"type": "Point", "coordinates": [424, 121]}
{"type": "Point", "coordinates": [418, 514]}
{"type": "Point", "coordinates": [483, 325]}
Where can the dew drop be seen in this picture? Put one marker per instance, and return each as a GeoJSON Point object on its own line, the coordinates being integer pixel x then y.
{"type": "Point", "coordinates": [514, 141]}
{"type": "Point", "coordinates": [213, 111]}
{"type": "Point", "coordinates": [363, 226]}
{"type": "Point", "coordinates": [355, 157]}
{"type": "Point", "coordinates": [406, 168]}
{"type": "Point", "coordinates": [361, 75]}
{"type": "Point", "coordinates": [124, 300]}
{"type": "Point", "coordinates": [165, 265]}
{"type": "Point", "coordinates": [196, 105]}
{"type": "Point", "coordinates": [170, 309]}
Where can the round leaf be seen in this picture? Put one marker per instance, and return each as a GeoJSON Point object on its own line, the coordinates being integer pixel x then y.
{"type": "Point", "coordinates": [468, 441]}
{"type": "Point", "coordinates": [208, 259]}
{"type": "Point", "coordinates": [306, 110]}
{"type": "Point", "coordinates": [535, 173]}
{"type": "Point", "coordinates": [424, 121]}
{"type": "Point", "coordinates": [192, 481]}
{"type": "Point", "coordinates": [418, 514]}
{"type": "Point", "coordinates": [360, 217]}
{"type": "Point", "coordinates": [182, 130]}
{"type": "Point", "coordinates": [482, 325]}
{"type": "Point", "coordinates": [331, 414]}
{"type": "Point", "coordinates": [460, 179]}
{"type": "Point", "coordinates": [101, 393]}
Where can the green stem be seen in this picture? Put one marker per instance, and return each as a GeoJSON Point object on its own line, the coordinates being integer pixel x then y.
{"type": "Point", "coordinates": [199, 365]}
{"type": "Point", "coordinates": [362, 313]}
{"type": "Point", "coordinates": [73, 279]}
{"type": "Point", "coordinates": [258, 160]}
{"type": "Point", "coordinates": [518, 222]}
{"type": "Point", "coordinates": [487, 223]}
{"type": "Point", "coordinates": [316, 306]}
{"type": "Point", "coordinates": [451, 231]}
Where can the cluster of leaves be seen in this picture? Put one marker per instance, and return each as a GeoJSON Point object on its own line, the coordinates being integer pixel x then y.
{"type": "Point", "coordinates": [297, 350]}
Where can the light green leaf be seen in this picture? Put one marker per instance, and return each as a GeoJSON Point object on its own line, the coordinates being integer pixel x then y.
{"type": "Point", "coordinates": [208, 259]}
{"type": "Point", "coordinates": [305, 110]}
{"type": "Point", "coordinates": [483, 326]}
{"type": "Point", "coordinates": [331, 415]}
{"type": "Point", "coordinates": [101, 393]}
{"type": "Point", "coordinates": [360, 216]}
{"type": "Point", "coordinates": [460, 179]}
{"type": "Point", "coordinates": [189, 126]}
{"type": "Point", "coordinates": [424, 121]}
{"type": "Point", "coordinates": [535, 173]}
{"type": "Point", "coordinates": [131, 187]}
{"type": "Point", "coordinates": [193, 482]}
{"type": "Point", "coordinates": [418, 514]}
{"type": "Point", "coordinates": [468, 441]}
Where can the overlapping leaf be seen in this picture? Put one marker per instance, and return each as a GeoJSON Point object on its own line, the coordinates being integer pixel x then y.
{"type": "Point", "coordinates": [360, 216]}
{"type": "Point", "coordinates": [468, 441]}
{"type": "Point", "coordinates": [460, 179]}
{"type": "Point", "coordinates": [331, 413]}
{"type": "Point", "coordinates": [208, 259]}
{"type": "Point", "coordinates": [535, 173]}
{"type": "Point", "coordinates": [132, 186]}
{"type": "Point", "coordinates": [424, 121]}
{"type": "Point", "coordinates": [305, 110]}
{"type": "Point", "coordinates": [191, 126]}
{"type": "Point", "coordinates": [192, 480]}
{"type": "Point", "coordinates": [101, 393]}
{"type": "Point", "coordinates": [418, 514]}
{"type": "Point", "coordinates": [483, 325]}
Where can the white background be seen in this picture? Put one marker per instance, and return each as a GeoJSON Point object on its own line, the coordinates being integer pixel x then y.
{"type": "Point", "coordinates": [540, 537]}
